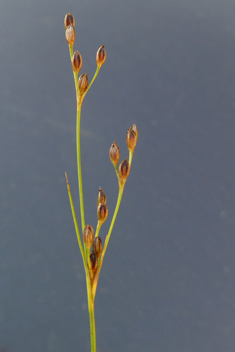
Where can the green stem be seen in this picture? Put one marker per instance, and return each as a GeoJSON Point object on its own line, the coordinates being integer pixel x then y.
{"type": "Point", "coordinates": [76, 224]}
{"type": "Point", "coordinates": [79, 106]}
{"type": "Point", "coordinates": [99, 224]}
{"type": "Point", "coordinates": [90, 297]}
{"type": "Point", "coordinates": [91, 311]}
{"type": "Point", "coordinates": [130, 157]}
{"type": "Point", "coordinates": [79, 165]}
{"type": "Point", "coordinates": [120, 193]}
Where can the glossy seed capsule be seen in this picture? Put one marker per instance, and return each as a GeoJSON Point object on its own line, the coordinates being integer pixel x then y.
{"type": "Point", "coordinates": [102, 212]}
{"type": "Point", "coordinates": [114, 153]}
{"type": "Point", "coordinates": [131, 139]}
{"type": "Point", "coordinates": [70, 34]}
{"type": "Point", "coordinates": [93, 261]}
{"type": "Point", "coordinates": [101, 197]}
{"type": "Point", "coordinates": [88, 236]}
{"type": "Point", "coordinates": [69, 20]}
{"type": "Point", "coordinates": [76, 61]}
{"type": "Point", "coordinates": [97, 246]}
{"type": "Point", "coordinates": [134, 128]}
{"type": "Point", "coordinates": [83, 82]}
{"type": "Point", "coordinates": [124, 169]}
{"type": "Point", "coordinates": [100, 56]}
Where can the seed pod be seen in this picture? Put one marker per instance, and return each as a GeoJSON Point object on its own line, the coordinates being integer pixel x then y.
{"type": "Point", "coordinates": [97, 246]}
{"type": "Point", "coordinates": [76, 61]}
{"type": "Point", "coordinates": [124, 169]}
{"type": "Point", "coordinates": [70, 34]}
{"type": "Point", "coordinates": [131, 139]}
{"type": "Point", "coordinates": [102, 212]}
{"type": "Point", "coordinates": [88, 236]}
{"type": "Point", "coordinates": [114, 153]}
{"type": "Point", "coordinates": [93, 261]}
{"type": "Point", "coordinates": [101, 197]}
{"type": "Point", "coordinates": [68, 20]}
{"type": "Point", "coordinates": [83, 82]}
{"type": "Point", "coordinates": [100, 56]}
{"type": "Point", "coordinates": [134, 128]}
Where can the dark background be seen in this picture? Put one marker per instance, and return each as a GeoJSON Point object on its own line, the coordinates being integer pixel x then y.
{"type": "Point", "coordinates": [168, 279]}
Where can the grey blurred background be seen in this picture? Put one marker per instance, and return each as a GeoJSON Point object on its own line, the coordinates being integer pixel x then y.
{"type": "Point", "coordinates": [168, 279]}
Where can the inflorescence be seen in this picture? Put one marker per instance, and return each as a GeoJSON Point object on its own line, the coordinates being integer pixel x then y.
{"type": "Point", "coordinates": [91, 249]}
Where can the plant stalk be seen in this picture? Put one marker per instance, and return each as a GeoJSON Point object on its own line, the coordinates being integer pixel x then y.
{"type": "Point", "coordinates": [78, 143]}
{"type": "Point", "coordinates": [91, 310]}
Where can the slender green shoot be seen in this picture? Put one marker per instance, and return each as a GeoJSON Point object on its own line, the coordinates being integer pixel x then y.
{"type": "Point", "coordinates": [75, 222]}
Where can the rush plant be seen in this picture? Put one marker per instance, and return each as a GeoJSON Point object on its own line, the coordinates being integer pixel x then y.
{"type": "Point", "coordinates": [90, 245]}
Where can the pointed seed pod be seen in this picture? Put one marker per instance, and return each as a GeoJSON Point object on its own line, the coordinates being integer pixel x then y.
{"type": "Point", "coordinates": [97, 246]}
{"type": "Point", "coordinates": [70, 34]}
{"type": "Point", "coordinates": [102, 212]}
{"type": "Point", "coordinates": [100, 56]}
{"type": "Point", "coordinates": [93, 261]}
{"type": "Point", "coordinates": [68, 20]}
{"type": "Point", "coordinates": [124, 169]}
{"type": "Point", "coordinates": [83, 82]}
{"type": "Point", "coordinates": [134, 128]}
{"type": "Point", "coordinates": [101, 197]}
{"type": "Point", "coordinates": [76, 61]}
{"type": "Point", "coordinates": [88, 235]}
{"type": "Point", "coordinates": [131, 139]}
{"type": "Point", "coordinates": [114, 153]}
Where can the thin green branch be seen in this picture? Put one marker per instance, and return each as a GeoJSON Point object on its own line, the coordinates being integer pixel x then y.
{"type": "Point", "coordinates": [75, 223]}
{"type": "Point", "coordinates": [94, 77]}
{"type": "Point", "coordinates": [79, 167]}
{"type": "Point", "coordinates": [95, 282]}
{"type": "Point", "coordinates": [130, 157]}
{"type": "Point", "coordinates": [99, 224]}
{"type": "Point", "coordinates": [78, 119]}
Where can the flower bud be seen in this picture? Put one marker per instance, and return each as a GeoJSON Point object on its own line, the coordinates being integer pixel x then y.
{"type": "Point", "coordinates": [93, 261]}
{"type": "Point", "coordinates": [76, 61]}
{"type": "Point", "coordinates": [102, 212]}
{"type": "Point", "coordinates": [100, 56]}
{"type": "Point", "coordinates": [131, 139]}
{"type": "Point", "coordinates": [101, 197]}
{"type": "Point", "coordinates": [70, 34]}
{"type": "Point", "coordinates": [114, 153]}
{"type": "Point", "coordinates": [68, 20]}
{"type": "Point", "coordinates": [88, 236]}
{"type": "Point", "coordinates": [97, 246]}
{"type": "Point", "coordinates": [83, 82]}
{"type": "Point", "coordinates": [124, 169]}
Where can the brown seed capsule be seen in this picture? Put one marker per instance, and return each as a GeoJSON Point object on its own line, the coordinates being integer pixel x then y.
{"type": "Point", "coordinates": [131, 139]}
{"type": "Point", "coordinates": [100, 56]}
{"type": "Point", "coordinates": [68, 20]}
{"type": "Point", "coordinates": [101, 197]}
{"type": "Point", "coordinates": [93, 261]}
{"type": "Point", "coordinates": [70, 34]}
{"type": "Point", "coordinates": [83, 82]}
{"type": "Point", "coordinates": [134, 128]}
{"type": "Point", "coordinates": [88, 235]}
{"type": "Point", "coordinates": [102, 212]}
{"type": "Point", "coordinates": [97, 246]}
{"type": "Point", "coordinates": [76, 61]}
{"type": "Point", "coordinates": [124, 169]}
{"type": "Point", "coordinates": [114, 153]}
